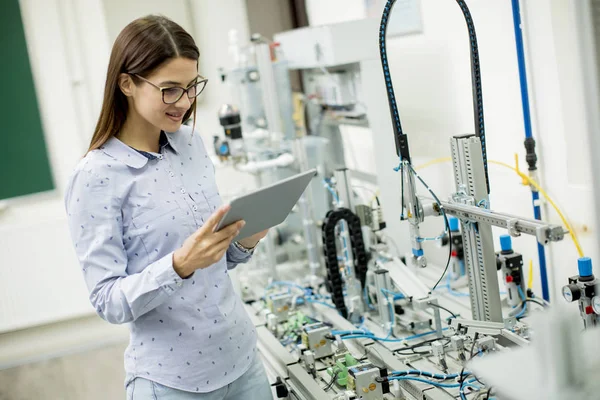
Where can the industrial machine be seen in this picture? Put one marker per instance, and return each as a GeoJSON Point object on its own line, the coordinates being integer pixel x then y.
{"type": "Point", "coordinates": [350, 317]}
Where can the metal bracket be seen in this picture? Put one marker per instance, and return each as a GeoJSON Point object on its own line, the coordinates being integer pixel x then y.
{"type": "Point", "coordinates": [512, 227]}
{"type": "Point", "coordinates": [510, 322]}
{"type": "Point", "coordinates": [543, 231]}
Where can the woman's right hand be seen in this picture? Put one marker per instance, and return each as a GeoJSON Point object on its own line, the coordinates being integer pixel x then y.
{"type": "Point", "coordinates": [205, 247]}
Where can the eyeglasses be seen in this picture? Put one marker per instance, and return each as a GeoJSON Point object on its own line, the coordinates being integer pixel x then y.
{"type": "Point", "coordinates": [171, 95]}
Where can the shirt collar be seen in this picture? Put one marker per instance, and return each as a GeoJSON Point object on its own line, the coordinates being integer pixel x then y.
{"type": "Point", "coordinates": [170, 140]}
{"type": "Point", "coordinates": [130, 156]}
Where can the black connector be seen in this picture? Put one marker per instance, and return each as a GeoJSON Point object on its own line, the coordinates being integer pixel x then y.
{"type": "Point", "coordinates": [445, 239]}
{"type": "Point", "coordinates": [280, 389]}
{"type": "Point", "coordinates": [530, 155]}
{"type": "Point", "coordinates": [587, 278]}
{"type": "Point", "coordinates": [590, 291]}
{"type": "Point", "coordinates": [398, 309]}
{"type": "Point", "coordinates": [402, 147]}
{"type": "Point", "coordinates": [385, 384]}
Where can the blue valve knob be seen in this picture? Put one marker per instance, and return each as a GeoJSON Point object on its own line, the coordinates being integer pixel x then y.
{"type": "Point", "coordinates": [224, 149]}
{"type": "Point", "coordinates": [506, 243]}
{"type": "Point", "coordinates": [585, 266]}
{"type": "Point", "coordinates": [453, 224]}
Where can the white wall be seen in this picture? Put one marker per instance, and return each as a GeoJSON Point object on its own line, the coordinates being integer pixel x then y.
{"type": "Point", "coordinates": [120, 13]}
{"type": "Point", "coordinates": [39, 277]}
{"type": "Point", "coordinates": [558, 98]}
{"type": "Point", "coordinates": [431, 75]}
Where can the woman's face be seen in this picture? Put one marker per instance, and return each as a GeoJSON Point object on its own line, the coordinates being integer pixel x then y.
{"type": "Point", "coordinates": [148, 100]}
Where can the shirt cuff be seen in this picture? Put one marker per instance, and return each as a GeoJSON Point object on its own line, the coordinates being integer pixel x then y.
{"type": "Point", "coordinates": [165, 275]}
{"type": "Point", "coordinates": [245, 249]}
{"type": "Point", "coordinates": [236, 255]}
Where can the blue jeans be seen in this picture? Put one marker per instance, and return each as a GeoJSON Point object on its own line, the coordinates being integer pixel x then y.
{"type": "Point", "coordinates": [252, 385]}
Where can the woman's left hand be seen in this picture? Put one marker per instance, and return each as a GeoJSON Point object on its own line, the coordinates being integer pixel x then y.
{"type": "Point", "coordinates": [253, 240]}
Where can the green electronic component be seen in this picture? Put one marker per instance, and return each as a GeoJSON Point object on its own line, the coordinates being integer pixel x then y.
{"type": "Point", "coordinates": [341, 368]}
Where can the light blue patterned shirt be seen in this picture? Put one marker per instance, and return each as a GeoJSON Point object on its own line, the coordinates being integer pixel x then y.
{"type": "Point", "coordinates": [128, 212]}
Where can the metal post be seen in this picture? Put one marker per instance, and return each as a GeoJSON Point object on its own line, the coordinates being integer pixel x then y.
{"type": "Point", "coordinates": [307, 209]}
{"type": "Point", "coordinates": [269, 240]}
{"type": "Point", "coordinates": [269, 90]}
{"type": "Point", "coordinates": [382, 285]}
{"type": "Point", "coordinates": [480, 259]}
{"type": "Point", "coordinates": [343, 185]}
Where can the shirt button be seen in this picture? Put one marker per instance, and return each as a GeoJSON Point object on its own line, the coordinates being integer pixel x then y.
{"type": "Point", "coordinates": [195, 208]}
{"type": "Point", "coordinates": [171, 174]}
{"type": "Point", "coordinates": [183, 191]}
{"type": "Point", "coordinates": [160, 157]}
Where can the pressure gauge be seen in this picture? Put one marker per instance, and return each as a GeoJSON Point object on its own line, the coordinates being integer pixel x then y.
{"type": "Point", "coordinates": [571, 293]}
{"type": "Point", "coordinates": [596, 304]}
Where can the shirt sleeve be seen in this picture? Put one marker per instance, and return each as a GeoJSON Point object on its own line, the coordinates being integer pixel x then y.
{"type": "Point", "coordinates": [96, 226]}
{"type": "Point", "coordinates": [237, 256]}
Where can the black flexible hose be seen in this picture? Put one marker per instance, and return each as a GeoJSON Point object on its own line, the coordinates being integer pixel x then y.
{"type": "Point", "coordinates": [400, 138]}
{"type": "Point", "coordinates": [476, 85]}
{"type": "Point", "coordinates": [334, 279]}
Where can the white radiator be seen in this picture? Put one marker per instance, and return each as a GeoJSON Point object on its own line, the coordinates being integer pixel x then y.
{"type": "Point", "coordinates": [40, 278]}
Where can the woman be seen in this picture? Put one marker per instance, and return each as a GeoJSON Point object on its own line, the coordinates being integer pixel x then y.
{"type": "Point", "coordinates": [142, 207]}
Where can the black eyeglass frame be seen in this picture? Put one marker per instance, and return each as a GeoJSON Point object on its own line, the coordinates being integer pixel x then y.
{"type": "Point", "coordinates": [162, 89]}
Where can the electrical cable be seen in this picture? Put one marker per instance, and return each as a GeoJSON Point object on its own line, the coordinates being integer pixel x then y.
{"type": "Point", "coordinates": [530, 275]}
{"type": "Point", "coordinates": [330, 384]}
{"type": "Point", "coordinates": [432, 383]}
{"type": "Point", "coordinates": [366, 298]}
{"type": "Point", "coordinates": [523, 310]}
{"type": "Point", "coordinates": [537, 186]}
{"type": "Point", "coordinates": [461, 376]}
{"type": "Point", "coordinates": [536, 301]}
{"type": "Point", "coordinates": [321, 302]}
{"type": "Point", "coordinates": [373, 192]}
{"type": "Point", "coordinates": [485, 395]}
{"type": "Point", "coordinates": [331, 190]}
{"type": "Point", "coordinates": [446, 222]}
{"type": "Point", "coordinates": [444, 308]}
{"type": "Point", "coordinates": [386, 292]}
{"type": "Point", "coordinates": [427, 374]}
{"type": "Point", "coordinates": [523, 304]}
{"type": "Point", "coordinates": [402, 205]}
{"type": "Point", "coordinates": [451, 291]}
{"type": "Point", "coordinates": [362, 335]}
{"type": "Point", "coordinates": [521, 294]}
{"type": "Point", "coordinates": [449, 253]}
{"type": "Point", "coordinates": [421, 344]}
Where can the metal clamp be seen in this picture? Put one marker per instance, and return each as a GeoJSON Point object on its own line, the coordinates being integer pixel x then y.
{"type": "Point", "coordinates": [511, 225]}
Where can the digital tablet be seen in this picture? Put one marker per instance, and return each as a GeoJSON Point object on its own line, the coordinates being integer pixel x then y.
{"type": "Point", "coordinates": [266, 207]}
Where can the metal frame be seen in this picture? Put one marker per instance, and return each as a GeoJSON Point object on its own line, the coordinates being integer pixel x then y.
{"type": "Point", "coordinates": [480, 258]}
{"type": "Point", "coordinates": [544, 232]}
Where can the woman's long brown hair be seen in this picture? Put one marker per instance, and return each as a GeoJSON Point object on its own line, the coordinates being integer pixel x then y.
{"type": "Point", "coordinates": [141, 47]}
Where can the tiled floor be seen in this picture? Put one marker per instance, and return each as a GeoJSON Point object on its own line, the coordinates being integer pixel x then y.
{"type": "Point", "coordinates": [91, 375]}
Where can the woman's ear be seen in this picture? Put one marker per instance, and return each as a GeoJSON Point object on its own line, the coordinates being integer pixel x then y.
{"type": "Point", "coordinates": [126, 84]}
